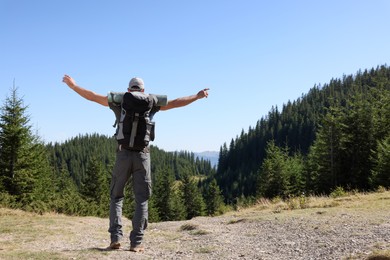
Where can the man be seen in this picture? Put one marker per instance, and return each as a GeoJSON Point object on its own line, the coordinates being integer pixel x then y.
{"type": "Point", "coordinates": [130, 162]}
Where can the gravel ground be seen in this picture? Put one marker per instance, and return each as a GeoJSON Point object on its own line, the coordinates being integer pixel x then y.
{"type": "Point", "coordinates": [300, 234]}
{"type": "Point", "coordinates": [338, 232]}
{"type": "Point", "coordinates": [313, 236]}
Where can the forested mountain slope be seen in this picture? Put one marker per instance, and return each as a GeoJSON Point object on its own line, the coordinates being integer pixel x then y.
{"type": "Point", "coordinates": [351, 115]}
{"type": "Point", "coordinates": [75, 153]}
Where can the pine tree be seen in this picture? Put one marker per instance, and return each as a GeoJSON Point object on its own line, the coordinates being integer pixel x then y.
{"type": "Point", "coordinates": [152, 211]}
{"type": "Point", "coordinates": [193, 200]}
{"type": "Point", "coordinates": [295, 173]}
{"type": "Point", "coordinates": [95, 186]}
{"type": "Point", "coordinates": [325, 158]}
{"type": "Point", "coordinates": [357, 142]}
{"type": "Point", "coordinates": [162, 193]}
{"type": "Point", "coordinates": [67, 198]}
{"type": "Point", "coordinates": [273, 178]}
{"type": "Point", "coordinates": [43, 190]}
{"type": "Point", "coordinates": [176, 205]}
{"type": "Point", "coordinates": [381, 121]}
{"type": "Point", "coordinates": [381, 169]}
{"type": "Point", "coordinates": [24, 170]}
{"type": "Point", "coordinates": [213, 198]}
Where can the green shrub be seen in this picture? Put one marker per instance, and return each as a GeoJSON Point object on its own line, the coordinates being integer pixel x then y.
{"type": "Point", "coordinates": [303, 202]}
{"type": "Point", "coordinates": [292, 203]}
{"type": "Point", "coordinates": [338, 192]}
{"type": "Point", "coordinates": [381, 189]}
{"type": "Point", "coordinates": [7, 201]}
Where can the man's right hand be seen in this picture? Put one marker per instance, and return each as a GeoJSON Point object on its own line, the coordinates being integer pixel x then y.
{"type": "Point", "coordinates": [68, 80]}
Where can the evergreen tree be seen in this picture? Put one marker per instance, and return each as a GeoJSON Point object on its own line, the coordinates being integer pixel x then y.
{"type": "Point", "coordinates": [67, 198]}
{"type": "Point", "coordinates": [281, 175]}
{"type": "Point", "coordinates": [128, 208]}
{"type": "Point", "coordinates": [152, 210]}
{"type": "Point", "coordinates": [381, 156]}
{"type": "Point", "coordinates": [95, 187]}
{"type": "Point", "coordinates": [213, 198]}
{"type": "Point", "coordinates": [193, 200]}
{"type": "Point", "coordinates": [325, 156]}
{"type": "Point", "coordinates": [381, 169]}
{"type": "Point", "coordinates": [358, 142]}
{"type": "Point", "coordinates": [176, 205]}
{"type": "Point", "coordinates": [273, 178]}
{"type": "Point", "coordinates": [43, 190]}
{"type": "Point", "coordinates": [162, 188]}
{"type": "Point", "coordinates": [162, 193]}
{"type": "Point", "coordinates": [295, 172]}
{"type": "Point", "coordinates": [23, 165]}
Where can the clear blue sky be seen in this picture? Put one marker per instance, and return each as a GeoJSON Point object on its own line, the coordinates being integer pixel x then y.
{"type": "Point", "coordinates": [251, 54]}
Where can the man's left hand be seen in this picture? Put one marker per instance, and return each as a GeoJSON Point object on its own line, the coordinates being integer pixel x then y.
{"type": "Point", "coordinates": [203, 93]}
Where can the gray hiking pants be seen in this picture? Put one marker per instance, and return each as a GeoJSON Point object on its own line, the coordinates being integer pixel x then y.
{"type": "Point", "coordinates": [135, 164]}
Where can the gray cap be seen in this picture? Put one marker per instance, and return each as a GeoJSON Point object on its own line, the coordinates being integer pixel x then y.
{"type": "Point", "coordinates": [136, 84]}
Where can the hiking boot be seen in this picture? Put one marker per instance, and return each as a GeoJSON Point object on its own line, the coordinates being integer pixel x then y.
{"type": "Point", "coordinates": [137, 248]}
{"type": "Point", "coordinates": [114, 245]}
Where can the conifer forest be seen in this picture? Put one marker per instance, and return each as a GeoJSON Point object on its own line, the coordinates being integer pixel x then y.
{"type": "Point", "coordinates": [335, 136]}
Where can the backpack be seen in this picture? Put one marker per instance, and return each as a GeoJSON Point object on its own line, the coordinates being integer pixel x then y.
{"type": "Point", "coordinates": [135, 129]}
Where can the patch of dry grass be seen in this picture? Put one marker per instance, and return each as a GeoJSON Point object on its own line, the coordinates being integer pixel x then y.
{"type": "Point", "coordinates": [361, 201]}
{"type": "Point", "coordinates": [26, 235]}
{"type": "Point", "coordinates": [356, 203]}
{"type": "Point", "coordinates": [376, 255]}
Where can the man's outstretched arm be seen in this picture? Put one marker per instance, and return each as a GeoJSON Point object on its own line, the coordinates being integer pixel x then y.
{"type": "Point", "coordinates": [184, 101]}
{"type": "Point", "coordinates": [85, 93]}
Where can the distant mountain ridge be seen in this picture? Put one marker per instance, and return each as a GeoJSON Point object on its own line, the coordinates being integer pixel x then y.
{"type": "Point", "coordinates": [212, 156]}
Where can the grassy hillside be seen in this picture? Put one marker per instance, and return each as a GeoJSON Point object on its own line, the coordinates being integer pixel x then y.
{"type": "Point", "coordinates": [353, 226]}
